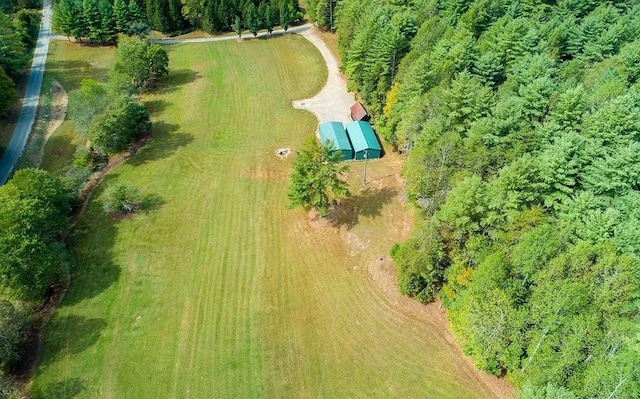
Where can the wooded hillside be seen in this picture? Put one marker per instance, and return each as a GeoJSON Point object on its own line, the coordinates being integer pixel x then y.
{"type": "Point", "coordinates": [521, 121]}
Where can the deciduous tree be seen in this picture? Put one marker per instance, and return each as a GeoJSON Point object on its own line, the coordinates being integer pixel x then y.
{"type": "Point", "coordinates": [140, 62]}
{"type": "Point", "coordinates": [118, 126]}
{"type": "Point", "coordinates": [122, 198]}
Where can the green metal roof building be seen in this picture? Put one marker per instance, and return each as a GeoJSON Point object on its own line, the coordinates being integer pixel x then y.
{"type": "Point", "coordinates": [334, 133]}
{"type": "Point", "coordinates": [364, 140]}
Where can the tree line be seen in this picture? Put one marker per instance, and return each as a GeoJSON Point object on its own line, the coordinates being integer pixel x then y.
{"type": "Point", "coordinates": [103, 20]}
{"type": "Point", "coordinates": [520, 121]}
{"type": "Point", "coordinates": [225, 15]}
{"type": "Point", "coordinates": [99, 20]}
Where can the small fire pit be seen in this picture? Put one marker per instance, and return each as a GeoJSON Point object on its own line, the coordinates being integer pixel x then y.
{"type": "Point", "coordinates": [283, 152]}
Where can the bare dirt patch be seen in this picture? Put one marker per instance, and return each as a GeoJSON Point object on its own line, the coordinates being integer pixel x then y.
{"type": "Point", "coordinates": [265, 173]}
{"type": "Point", "coordinates": [59, 101]}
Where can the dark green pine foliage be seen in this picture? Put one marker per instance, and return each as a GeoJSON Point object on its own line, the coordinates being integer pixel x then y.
{"type": "Point", "coordinates": [8, 93]}
{"type": "Point", "coordinates": [285, 15]}
{"type": "Point", "coordinates": [93, 18]}
{"type": "Point", "coordinates": [520, 121]}
{"type": "Point", "coordinates": [269, 17]}
{"type": "Point", "coordinates": [121, 15]}
{"type": "Point", "coordinates": [109, 31]}
{"type": "Point", "coordinates": [63, 17]}
{"type": "Point", "coordinates": [237, 26]}
{"type": "Point", "coordinates": [13, 52]}
{"type": "Point", "coordinates": [137, 21]}
{"type": "Point", "coordinates": [251, 19]}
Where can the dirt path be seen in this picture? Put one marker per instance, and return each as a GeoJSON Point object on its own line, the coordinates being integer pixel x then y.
{"type": "Point", "coordinates": [333, 101]}
{"type": "Point", "coordinates": [59, 101]}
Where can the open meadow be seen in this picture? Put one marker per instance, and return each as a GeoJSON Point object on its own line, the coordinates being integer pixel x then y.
{"type": "Point", "coordinates": [217, 290]}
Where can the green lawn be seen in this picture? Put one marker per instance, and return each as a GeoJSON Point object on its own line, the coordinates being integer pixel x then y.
{"type": "Point", "coordinates": [219, 291]}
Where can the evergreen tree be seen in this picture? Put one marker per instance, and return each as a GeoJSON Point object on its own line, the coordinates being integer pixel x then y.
{"type": "Point", "coordinates": [109, 32]}
{"type": "Point", "coordinates": [252, 21]}
{"type": "Point", "coordinates": [93, 19]}
{"type": "Point", "coordinates": [137, 21]}
{"type": "Point", "coordinates": [237, 26]}
{"type": "Point", "coordinates": [315, 180]}
{"type": "Point", "coordinates": [285, 15]}
{"type": "Point", "coordinates": [121, 14]}
{"type": "Point", "coordinates": [63, 17]}
{"type": "Point", "coordinates": [269, 18]}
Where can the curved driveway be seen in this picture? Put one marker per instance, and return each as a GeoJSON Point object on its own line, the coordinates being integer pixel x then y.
{"type": "Point", "coordinates": [333, 102]}
{"type": "Point", "coordinates": [32, 95]}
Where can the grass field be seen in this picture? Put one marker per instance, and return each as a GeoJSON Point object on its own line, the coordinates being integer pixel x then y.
{"type": "Point", "coordinates": [217, 290]}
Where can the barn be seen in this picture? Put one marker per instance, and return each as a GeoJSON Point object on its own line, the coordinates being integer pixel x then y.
{"type": "Point", "coordinates": [364, 140]}
{"type": "Point", "coordinates": [334, 133]}
{"type": "Point", "coordinates": [358, 113]}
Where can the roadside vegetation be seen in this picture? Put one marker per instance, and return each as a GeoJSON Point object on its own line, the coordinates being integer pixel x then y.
{"type": "Point", "coordinates": [35, 205]}
{"type": "Point", "coordinates": [520, 121]}
{"type": "Point", "coordinates": [19, 26]}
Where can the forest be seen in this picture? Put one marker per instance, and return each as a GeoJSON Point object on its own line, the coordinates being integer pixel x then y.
{"type": "Point", "coordinates": [520, 121]}
{"type": "Point", "coordinates": [103, 20]}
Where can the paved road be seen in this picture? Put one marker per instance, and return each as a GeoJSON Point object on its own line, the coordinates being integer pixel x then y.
{"type": "Point", "coordinates": [30, 102]}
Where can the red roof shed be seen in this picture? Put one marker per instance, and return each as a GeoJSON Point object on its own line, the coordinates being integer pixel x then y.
{"type": "Point", "coordinates": [358, 113]}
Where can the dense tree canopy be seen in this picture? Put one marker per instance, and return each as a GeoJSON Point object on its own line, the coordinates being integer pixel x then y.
{"type": "Point", "coordinates": [33, 209]}
{"type": "Point", "coordinates": [140, 62]}
{"type": "Point", "coordinates": [99, 20]}
{"type": "Point", "coordinates": [14, 53]}
{"type": "Point", "coordinates": [521, 124]}
{"type": "Point", "coordinates": [102, 20]}
{"type": "Point", "coordinates": [121, 123]}
{"type": "Point", "coordinates": [220, 15]}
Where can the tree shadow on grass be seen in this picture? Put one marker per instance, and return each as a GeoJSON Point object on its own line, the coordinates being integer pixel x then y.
{"type": "Point", "coordinates": [368, 203]}
{"type": "Point", "coordinates": [165, 140]}
{"type": "Point", "coordinates": [59, 390]}
{"type": "Point", "coordinates": [69, 335]}
{"type": "Point", "coordinates": [58, 150]}
{"type": "Point", "coordinates": [175, 80]}
{"type": "Point", "coordinates": [151, 203]}
{"type": "Point", "coordinates": [71, 72]}
{"type": "Point", "coordinates": [91, 244]}
{"type": "Point", "coordinates": [155, 106]}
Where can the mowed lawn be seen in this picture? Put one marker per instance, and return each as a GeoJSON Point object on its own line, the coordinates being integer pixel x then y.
{"type": "Point", "coordinates": [217, 290]}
